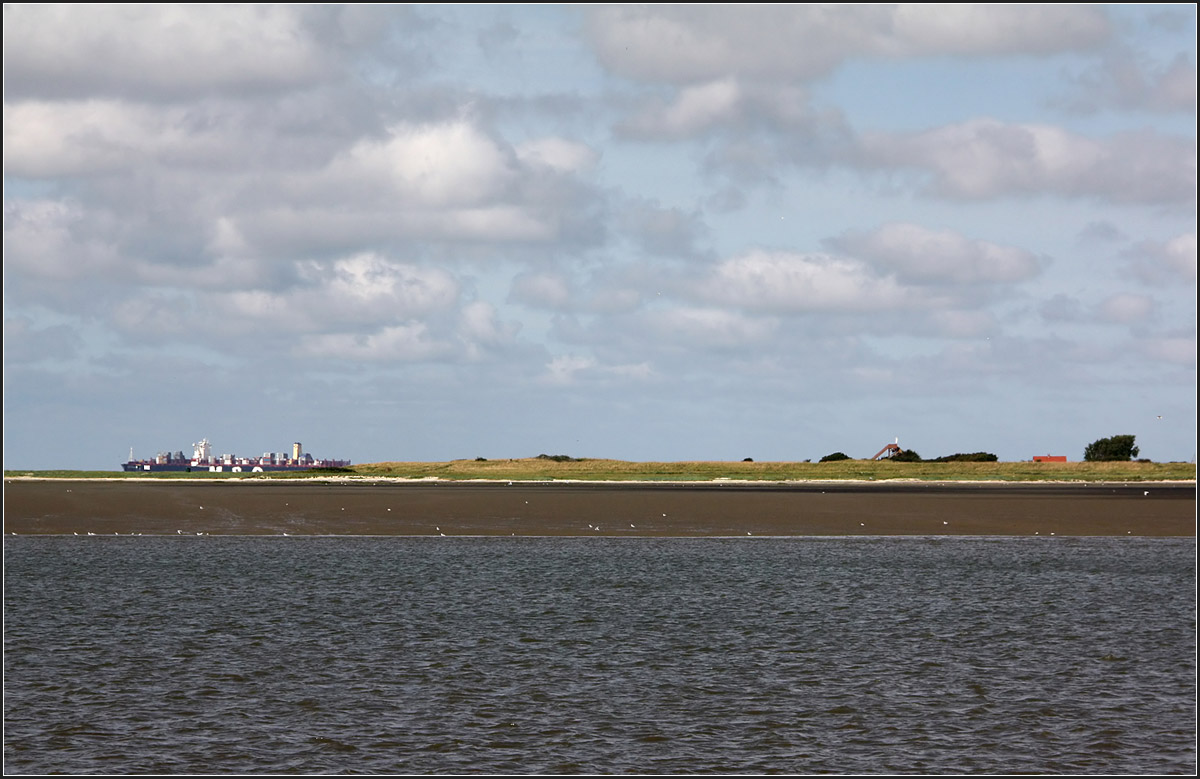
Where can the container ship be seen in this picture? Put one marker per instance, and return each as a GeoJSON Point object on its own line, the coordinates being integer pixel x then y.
{"type": "Point", "coordinates": [203, 460]}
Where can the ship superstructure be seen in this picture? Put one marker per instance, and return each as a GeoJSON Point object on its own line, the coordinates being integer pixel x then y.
{"type": "Point", "coordinates": [204, 461]}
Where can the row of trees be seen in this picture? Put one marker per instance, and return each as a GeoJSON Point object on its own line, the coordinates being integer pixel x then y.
{"type": "Point", "coordinates": [1118, 447]}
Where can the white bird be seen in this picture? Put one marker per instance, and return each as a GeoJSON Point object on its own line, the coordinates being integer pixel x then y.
{"type": "Point", "coordinates": [944, 522]}
{"type": "Point", "coordinates": [1147, 492]}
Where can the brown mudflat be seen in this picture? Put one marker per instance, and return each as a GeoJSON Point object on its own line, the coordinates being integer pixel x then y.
{"type": "Point", "coordinates": [624, 509]}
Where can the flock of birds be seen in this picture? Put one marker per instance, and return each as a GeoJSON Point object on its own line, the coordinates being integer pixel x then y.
{"type": "Point", "coordinates": [591, 527]}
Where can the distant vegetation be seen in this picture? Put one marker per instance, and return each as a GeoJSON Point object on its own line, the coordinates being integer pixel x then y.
{"type": "Point", "coordinates": [584, 469]}
{"type": "Point", "coordinates": [1118, 447]}
{"type": "Point", "coordinates": [973, 457]}
{"type": "Point", "coordinates": [832, 458]}
{"type": "Point", "coordinates": [558, 458]}
{"type": "Point", "coordinates": [909, 456]}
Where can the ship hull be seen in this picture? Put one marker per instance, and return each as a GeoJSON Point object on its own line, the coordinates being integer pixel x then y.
{"type": "Point", "coordinates": [152, 467]}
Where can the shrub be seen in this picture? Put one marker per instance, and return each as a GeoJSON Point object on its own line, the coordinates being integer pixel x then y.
{"type": "Point", "coordinates": [974, 457]}
{"type": "Point", "coordinates": [1118, 447]}
{"type": "Point", "coordinates": [906, 456]}
{"type": "Point", "coordinates": [830, 458]}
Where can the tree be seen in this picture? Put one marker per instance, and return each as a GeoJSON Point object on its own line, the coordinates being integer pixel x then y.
{"type": "Point", "coordinates": [1118, 447]}
{"type": "Point", "coordinates": [829, 458]}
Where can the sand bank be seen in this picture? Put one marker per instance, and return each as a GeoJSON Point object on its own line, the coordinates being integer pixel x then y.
{"type": "Point", "coordinates": [356, 506]}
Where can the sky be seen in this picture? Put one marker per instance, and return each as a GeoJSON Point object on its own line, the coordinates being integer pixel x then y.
{"type": "Point", "coordinates": [423, 233]}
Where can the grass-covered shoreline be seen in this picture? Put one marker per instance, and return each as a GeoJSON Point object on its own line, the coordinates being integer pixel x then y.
{"type": "Point", "coordinates": [547, 469]}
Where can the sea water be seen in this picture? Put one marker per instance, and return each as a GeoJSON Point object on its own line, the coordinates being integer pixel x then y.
{"type": "Point", "coordinates": [599, 655]}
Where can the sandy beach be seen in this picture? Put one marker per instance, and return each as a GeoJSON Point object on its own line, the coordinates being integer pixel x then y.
{"type": "Point", "coordinates": [405, 508]}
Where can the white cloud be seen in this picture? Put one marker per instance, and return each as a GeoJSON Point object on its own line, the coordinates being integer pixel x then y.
{"type": "Point", "coordinates": [1125, 81]}
{"type": "Point", "coordinates": [970, 29]}
{"type": "Point", "coordinates": [363, 289]}
{"type": "Point", "coordinates": [46, 139]}
{"type": "Point", "coordinates": [690, 44]}
{"type": "Point", "coordinates": [480, 329]}
{"type": "Point", "coordinates": [1175, 89]}
{"type": "Point", "coordinates": [1172, 349]}
{"type": "Point", "coordinates": [985, 158]}
{"type": "Point", "coordinates": [1165, 263]}
{"type": "Point", "coordinates": [408, 342]}
{"type": "Point", "coordinates": [160, 49]}
{"type": "Point", "coordinates": [1125, 308]}
{"type": "Point", "coordinates": [571, 369]}
{"type": "Point", "coordinates": [694, 109]}
{"type": "Point", "coordinates": [939, 256]}
{"type": "Point", "coordinates": [562, 370]}
{"type": "Point", "coordinates": [1180, 255]}
{"type": "Point", "coordinates": [787, 282]}
{"type": "Point", "coordinates": [440, 165]}
{"type": "Point", "coordinates": [964, 324]}
{"type": "Point", "coordinates": [541, 290]}
{"type": "Point", "coordinates": [47, 239]}
{"type": "Point", "coordinates": [705, 328]}
{"type": "Point", "coordinates": [443, 181]}
{"type": "Point", "coordinates": [558, 154]}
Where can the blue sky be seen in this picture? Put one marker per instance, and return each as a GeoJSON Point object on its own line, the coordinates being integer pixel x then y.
{"type": "Point", "coordinates": [648, 233]}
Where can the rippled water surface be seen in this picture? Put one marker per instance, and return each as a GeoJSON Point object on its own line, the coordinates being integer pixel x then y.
{"type": "Point", "coordinates": [420, 655]}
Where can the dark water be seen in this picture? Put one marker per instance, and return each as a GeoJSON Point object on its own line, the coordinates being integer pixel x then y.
{"type": "Point", "coordinates": [403, 655]}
